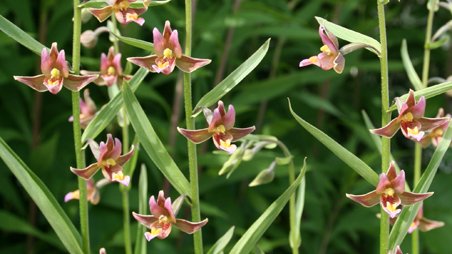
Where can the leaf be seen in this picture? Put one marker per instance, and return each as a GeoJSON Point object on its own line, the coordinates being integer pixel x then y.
{"type": "Point", "coordinates": [93, 4]}
{"type": "Point", "coordinates": [219, 246]}
{"type": "Point", "coordinates": [342, 153]}
{"type": "Point", "coordinates": [140, 244]}
{"type": "Point", "coordinates": [20, 36]}
{"type": "Point", "coordinates": [428, 92]}
{"type": "Point", "coordinates": [108, 112]}
{"type": "Point", "coordinates": [410, 71]}
{"type": "Point", "coordinates": [152, 144]}
{"type": "Point", "coordinates": [43, 198]}
{"type": "Point", "coordinates": [249, 240]}
{"type": "Point", "coordinates": [148, 46]}
{"type": "Point", "coordinates": [295, 237]}
{"type": "Point", "coordinates": [404, 220]}
{"type": "Point", "coordinates": [232, 80]}
{"type": "Point", "coordinates": [350, 35]}
{"type": "Point", "coordinates": [281, 161]}
{"type": "Point", "coordinates": [152, 4]}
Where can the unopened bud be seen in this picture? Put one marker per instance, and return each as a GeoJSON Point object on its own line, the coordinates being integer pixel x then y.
{"type": "Point", "coordinates": [265, 176]}
{"type": "Point", "coordinates": [89, 38]}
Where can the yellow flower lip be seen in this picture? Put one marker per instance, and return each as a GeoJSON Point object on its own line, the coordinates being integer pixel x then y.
{"type": "Point", "coordinates": [325, 49]}
{"type": "Point", "coordinates": [167, 53]}
{"type": "Point", "coordinates": [111, 71]}
{"type": "Point", "coordinates": [220, 129]}
{"type": "Point", "coordinates": [413, 131]}
{"type": "Point", "coordinates": [389, 192]}
{"type": "Point", "coordinates": [407, 117]}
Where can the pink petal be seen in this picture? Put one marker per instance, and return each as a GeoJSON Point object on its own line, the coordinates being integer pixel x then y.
{"type": "Point", "coordinates": [61, 63]}
{"type": "Point", "coordinates": [229, 118]}
{"type": "Point", "coordinates": [217, 118]}
{"type": "Point", "coordinates": [418, 110]}
{"type": "Point", "coordinates": [393, 201]}
{"type": "Point", "coordinates": [175, 45]}
{"type": "Point", "coordinates": [75, 83]}
{"type": "Point", "coordinates": [432, 123]}
{"type": "Point", "coordinates": [72, 195]}
{"type": "Point", "coordinates": [155, 208]}
{"type": "Point", "coordinates": [35, 82]}
{"type": "Point", "coordinates": [328, 39]}
{"type": "Point", "coordinates": [398, 184]}
{"type": "Point", "coordinates": [339, 63]}
{"type": "Point", "coordinates": [103, 13]}
{"type": "Point", "coordinates": [326, 62]}
{"type": "Point", "coordinates": [94, 148]}
{"type": "Point", "coordinates": [409, 198]}
{"type": "Point", "coordinates": [146, 220]}
{"type": "Point", "coordinates": [189, 64]}
{"type": "Point", "coordinates": [54, 88]}
{"type": "Point", "coordinates": [190, 227]}
{"type": "Point", "coordinates": [124, 158]}
{"type": "Point", "coordinates": [195, 136]}
{"type": "Point", "coordinates": [86, 173]}
{"type": "Point", "coordinates": [46, 61]}
{"type": "Point", "coordinates": [306, 62]}
{"type": "Point", "coordinates": [166, 70]}
{"type": "Point", "coordinates": [427, 224]}
{"type": "Point", "coordinates": [124, 181]}
{"type": "Point", "coordinates": [238, 133]}
{"type": "Point", "coordinates": [389, 130]}
{"type": "Point", "coordinates": [167, 30]}
{"type": "Point", "coordinates": [169, 210]}
{"type": "Point", "coordinates": [368, 200]}
{"type": "Point", "coordinates": [159, 43]}
{"type": "Point", "coordinates": [383, 183]}
{"type": "Point", "coordinates": [145, 62]}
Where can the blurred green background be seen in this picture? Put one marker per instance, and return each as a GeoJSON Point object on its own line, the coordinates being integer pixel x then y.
{"type": "Point", "coordinates": [228, 32]}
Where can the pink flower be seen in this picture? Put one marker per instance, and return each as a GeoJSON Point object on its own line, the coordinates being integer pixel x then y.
{"type": "Point", "coordinates": [109, 159]}
{"type": "Point", "coordinates": [411, 120]}
{"type": "Point", "coordinates": [390, 193]}
{"type": "Point", "coordinates": [163, 217]}
{"type": "Point", "coordinates": [122, 11]}
{"type": "Point", "coordinates": [55, 74]}
{"type": "Point", "coordinates": [168, 54]}
{"type": "Point", "coordinates": [87, 110]}
{"type": "Point", "coordinates": [436, 134]}
{"type": "Point", "coordinates": [423, 223]}
{"type": "Point", "coordinates": [330, 56]}
{"type": "Point", "coordinates": [221, 129]}
{"type": "Point", "coordinates": [93, 194]}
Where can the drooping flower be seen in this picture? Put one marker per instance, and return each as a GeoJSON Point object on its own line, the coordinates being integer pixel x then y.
{"type": "Point", "coordinates": [109, 159]}
{"type": "Point", "coordinates": [221, 129]}
{"type": "Point", "coordinates": [163, 217]}
{"type": "Point", "coordinates": [93, 194]}
{"type": "Point", "coordinates": [390, 193]}
{"type": "Point", "coordinates": [411, 120]}
{"type": "Point", "coordinates": [122, 11]}
{"type": "Point", "coordinates": [168, 54]}
{"type": "Point", "coordinates": [330, 56]}
{"type": "Point", "coordinates": [87, 110]}
{"type": "Point", "coordinates": [423, 223]}
{"type": "Point", "coordinates": [436, 134]}
{"type": "Point", "coordinates": [55, 74]}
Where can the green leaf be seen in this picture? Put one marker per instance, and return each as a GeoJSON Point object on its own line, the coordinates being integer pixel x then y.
{"type": "Point", "coordinates": [140, 244]}
{"type": "Point", "coordinates": [152, 4]}
{"type": "Point", "coordinates": [404, 220]}
{"type": "Point", "coordinates": [281, 161]}
{"type": "Point", "coordinates": [20, 36]}
{"type": "Point", "coordinates": [232, 80]}
{"type": "Point", "coordinates": [295, 237]}
{"type": "Point", "coordinates": [109, 111]}
{"type": "Point", "coordinates": [43, 198]}
{"type": "Point", "coordinates": [428, 92]}
{"type": "Point", "coordinates": [148, 46]}
{"type": "Point", "coordinates": [249, 240]}
{"type": "Point", "coordinates": [350, 35]}
{"type": "Point", "coordinates": [152, 144]}
{"type": "Point", "coordinates": [410, 71]}
{"type": "Point", "coordinates": [439, 43]}
{"type": "Point", "coordinates": [93, 4]}
{"type": "Point", "coordinates": [219, 246]}
{"type": "Point", "coordinates": [342, 153]}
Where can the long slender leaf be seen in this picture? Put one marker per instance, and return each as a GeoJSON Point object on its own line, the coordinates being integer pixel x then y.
{"type": "Point", "coordinates": [219, 246]}
{"type": "Point", "coordinates": [299, 206]}
{"type": "Point", "coordinates": [43, 198]}
{"type": "Point", "coordinates": [350, 35]}
{"type": "Point", "coordinates": [148, 46]}
{"type": "Point", "coordinates": [140, 244]}
{"type": "Point", "coordinates": [410, 71]}
{"type": "Point", "coordinates": [108, 112]}
{"type": "Point", "coordinates": [402, 224]}
{"type": "Point", "coordinates": [249, 240]}
{"type": "Point", "coordinates": [20, 36]}
{"type": "Point", "coordinates": [152, 4]}
{"type": "Point", "coordinates": [232, 80]}
{"type": "Point", "coordinates": [342, 153]}
{"type": "Point", "coordinates": [152, 144]}
{"type": "Point", "coordinates": [428, 92]}
{"type": "Point", "coordinates": [93, 4]}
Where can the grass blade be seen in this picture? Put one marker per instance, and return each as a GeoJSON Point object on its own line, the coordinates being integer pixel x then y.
{"type": "Point", "coordinates": [410, 71]}
{"type": "Point", "coordinates": [219, 246]}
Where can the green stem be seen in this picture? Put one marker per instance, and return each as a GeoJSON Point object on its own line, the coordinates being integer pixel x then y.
{"type": "Point", "coordinates": [83, 204]}
{"type": "Point", "coordinates": [417, 176]}
{"type": "Point", "coordinates": [192, 157]}
{"type": "Point", "coordinates": [385, 118]}
{"type": "Point", "coordinates": [126, 220]}
{"type": "Point", "coordinates": [428, 36]}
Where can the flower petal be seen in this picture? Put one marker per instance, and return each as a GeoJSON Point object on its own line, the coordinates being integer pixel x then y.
{"type": "Point", "coordinates": [46, 61]}
{"type": "Point", "coordinates": [339, 63]}
{"type": "Point", "coordinates": [75, 83]}
{"type": "Point", "coordinates": [189, 64]}
{"type": "Point", "coordinates": [86, 173]}
{"type": "Point", "coordinates": [190, 227]}
{"type": "Point", "coordinates": [238, 133]}
{"type": "Point", "coordinates": [195, 136]}
{"type": "Point", "coordinates": [229, 118]}
{"type": "Point", "coordinates": [35, 82]}
{"type": "Point", "coordinates": [368, 200]}
{"type": "Point", "coordinates": [432, 123]}
{"type": "Point", "coordinates": [146, 220]}
{"type": "Point", "coordinates": [409, 198]}
{"type": "Point", "coordinates": [102, 13]}
{"type": "Point", "coordinates": [427, 224]}
{"type": "Point", "coordinates": [418, 109]}
{"type": "Point", "coordinates": [174, 43]}
{"type": "Point", "coordinates": [159, 43]}
{"type": "Point", "coordinates": [145, 61]}
{"type": "Point", "coordinates": [398, 183]}
{"type": "Point", "coordinates": [328, 39]}
{"type": "Point", "coordinates": [389, 130]}
{"type": "Point", "coordinates": [124, 158]}
{"type": "Point", "coordinates": [383, 183]}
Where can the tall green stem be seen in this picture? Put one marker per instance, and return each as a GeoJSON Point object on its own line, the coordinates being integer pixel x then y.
{"type": "Point", "coordinates": [192, 157]}
{"type": "Point", "coordinates": [417, 176]}
{"type": "Point", "coordinates": [80, 161]}
{"type": "Point", "coordinates": [428, 37]}
{"type": "Point", "coordinates": [385, 118]}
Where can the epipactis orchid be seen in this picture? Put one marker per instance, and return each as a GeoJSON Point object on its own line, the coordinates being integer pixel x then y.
{"type": "Point", "coordinates": [221, 129]}
{"type": "Point", "coordinates": [436, 134]}
{"type": "Point", "coordinates": [330, 56]}
{"type": "Point", "coordinates": [55, 74]}
{"type": "Point", "coordinates": [390, 193]}
{"type": "Point", "coordinates": [93, 194]}
{"type": "Point", "coordinates": [109, 159]}
{"type": "Point", "coordinates": [87, 110]}
{"type": "Point", "coordinates": [122, 11]}
{"type": "Point", "coordinates": [168, 54]}
{"type": "Point", "coordinates": [423, 224]}
{"type": "Point", "coordinates": [110, 69]}
{"type": "Point", "coordinates": [163, 217]}
{"type": "Point", "coordinates": [411, 120]}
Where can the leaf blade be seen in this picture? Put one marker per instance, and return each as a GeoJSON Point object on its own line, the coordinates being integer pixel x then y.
{"type": "Point", "coordinates": [410, 71]}
{"type": "Point", "coordinates": [219, 245]}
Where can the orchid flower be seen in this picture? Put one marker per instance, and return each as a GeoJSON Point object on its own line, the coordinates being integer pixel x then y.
{"type": "Point", "coordinates": [55, 74]}
{"type": "Point", "coordinates": [93, 194]}
{"type": "Point", "coordinates": [122, 11]}
{"type": "Point", "coordinates": [423, 223]}
{"type": "Point", "coordinates": [163, 217]}
{"type": "Point", "coordinates": [390, 193]}
{"type": "Point", "coordinates": [109, 159]}
{"type": "Point", "coordinates": [330, 56]}
{"type": "Point", "coordinates": [168, 54]}
{"type": "Point", "coordinates": [411, 120]}
{"type": "Point", "coordinates": [221, 129]}
{"type": "Point", "coordinates": [436, 134]}
{"type": "Point", "coordinates": [87, 110]}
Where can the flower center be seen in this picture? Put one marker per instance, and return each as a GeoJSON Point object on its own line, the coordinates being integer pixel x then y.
{"type": "Point", "coordinates": [325, 49]}
{"type": "Point", "coordinates": [117, 176]}
{"type": "Point", "coordinates": [131, 16]}
{"type": "Point", "coordinates": [111, 71]}
{"type": "Point", "coordinates": [220, 129]}
{"type": "Point", "coordinates": [54, 77]}
{"type": "Point", "coordinates": [225, 143]}
{"type": "Point", "coordinates": [123, 5]}
{"type": "Point", "coordinates": [389, 192]}
{"type": "Point", "coordinates": [163, 219]}
{"type": "Point", "coordinates": [109, 162]}
{"type": "Point", "coordinates": [413, 131]}
{"type": "Point", "coordinates": [408, 117]}
{"type": "Point", "coordinates": [167, 53]}
{"type": "Point", "coordinates": [390, 206]}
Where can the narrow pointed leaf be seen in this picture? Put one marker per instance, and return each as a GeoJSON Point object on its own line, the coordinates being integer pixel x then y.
{"type": "Point", "coordinates": [249, 240]}
{"type": "Point", "coordinates": [109, 111]}
{"type": "Point", "coordinates": [350, 35]}
{"type": "Point", "coordinates": [140, 244]}
{"type": "Point", "coordinates": [410, 71]}
{"type": "Point", "coordinates": [341, 152]}
{"type": "Point", "coordinates": [17, 34]}
{"type": "Point", "coordinates": [93, 4]}
{"type": "Point", "coordinates": [428, 92]}
{"type": "Point", "coordinates": [227, 84]}
{"type": "Point", "coordinates": [295, 237]}
{"type": "Point", "coordinates": [153, 3]}
{"type": "Point", "coordinates": [402, 224]}
{"type": "Point", "coordinates": [43, 198]}
{"type": "Point", "coordinates": [148, 46]}
{"type": "Point", "coordinates": [152, 144]}
{"type": "Point", "coordinates": [219, 246]}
